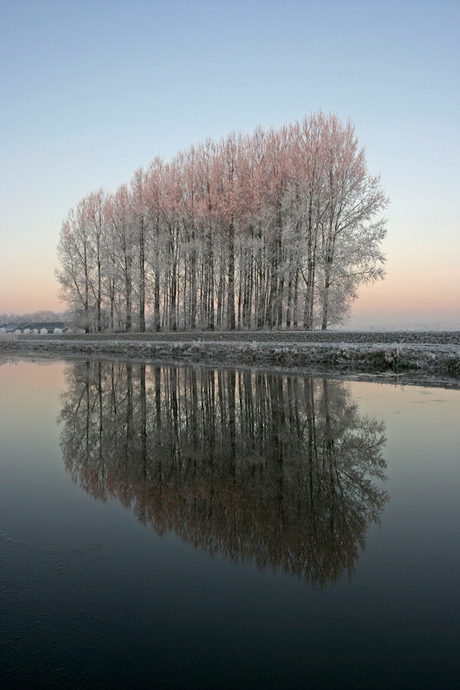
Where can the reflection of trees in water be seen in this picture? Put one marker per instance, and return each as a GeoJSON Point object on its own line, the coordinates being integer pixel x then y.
{"type": "Point", "coordinates": [279, 470]}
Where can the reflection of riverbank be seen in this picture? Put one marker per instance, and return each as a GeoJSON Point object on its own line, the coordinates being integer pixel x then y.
{"type": "Point", "coordinates": [277, 470]}
{"type": "Point", "coordinates": [420, 355]}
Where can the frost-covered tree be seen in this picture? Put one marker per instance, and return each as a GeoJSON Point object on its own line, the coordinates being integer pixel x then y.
{"type": "Point", "coordinates": [273, 229]}
{"type": "Point", "coordinates": [77, 276]}
{"type": "Point", "coordinates": [349, 248]}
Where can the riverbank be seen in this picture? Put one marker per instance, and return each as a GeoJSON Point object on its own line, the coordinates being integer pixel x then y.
{"type": "Point", "coordinates": [412, 356]}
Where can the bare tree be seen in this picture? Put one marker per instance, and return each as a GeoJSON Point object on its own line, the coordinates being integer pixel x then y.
{"type": "Point", "coordinates": [350, 240]}
{"type": "Point", "coordinates": [122, 228]}
{"type": "Point", "coordinates": [76, 257]}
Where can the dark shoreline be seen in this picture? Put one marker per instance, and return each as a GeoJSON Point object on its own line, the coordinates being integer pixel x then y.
{"type": "Point", "coordinates": [425, 358]}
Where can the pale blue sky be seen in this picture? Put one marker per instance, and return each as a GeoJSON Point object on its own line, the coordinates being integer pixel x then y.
{"type": "Point", "coordinates": [91, 90]}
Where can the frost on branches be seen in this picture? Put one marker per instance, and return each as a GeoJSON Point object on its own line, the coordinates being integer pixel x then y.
{"type": "Point", "coordinates": [271, 230]}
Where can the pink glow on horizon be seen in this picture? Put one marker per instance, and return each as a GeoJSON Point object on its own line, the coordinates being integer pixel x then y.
{"type": "Point", "coordinates": [29, 295]}
{"type": "Point", "coordinates": [427, 295]}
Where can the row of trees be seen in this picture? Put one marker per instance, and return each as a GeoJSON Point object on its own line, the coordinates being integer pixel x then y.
{"type": "Point", "coordinates": [276, 229]}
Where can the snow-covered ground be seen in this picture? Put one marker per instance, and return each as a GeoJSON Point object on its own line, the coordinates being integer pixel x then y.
{"type": "Point", "coordinates": [413, 356]}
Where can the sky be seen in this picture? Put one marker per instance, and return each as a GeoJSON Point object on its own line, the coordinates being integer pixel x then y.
{"type": "Point", "coordinates": [90, 90]}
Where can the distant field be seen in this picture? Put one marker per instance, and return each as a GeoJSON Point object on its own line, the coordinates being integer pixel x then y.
{"type": "Point", "coordinates": [416, 337]}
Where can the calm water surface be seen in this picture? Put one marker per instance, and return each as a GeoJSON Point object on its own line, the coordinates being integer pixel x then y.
{"type": "Point", "coordinates": [174, 527]}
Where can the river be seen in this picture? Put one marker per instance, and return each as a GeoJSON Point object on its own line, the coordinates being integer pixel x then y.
{"type": "Point", "coordinates": [190, 527]}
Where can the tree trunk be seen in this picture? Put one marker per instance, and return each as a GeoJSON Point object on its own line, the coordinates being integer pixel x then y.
{"type": "Point", "coordinates": [231, 279]}
{"type": "Point", "coordinates": [142, 277]}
